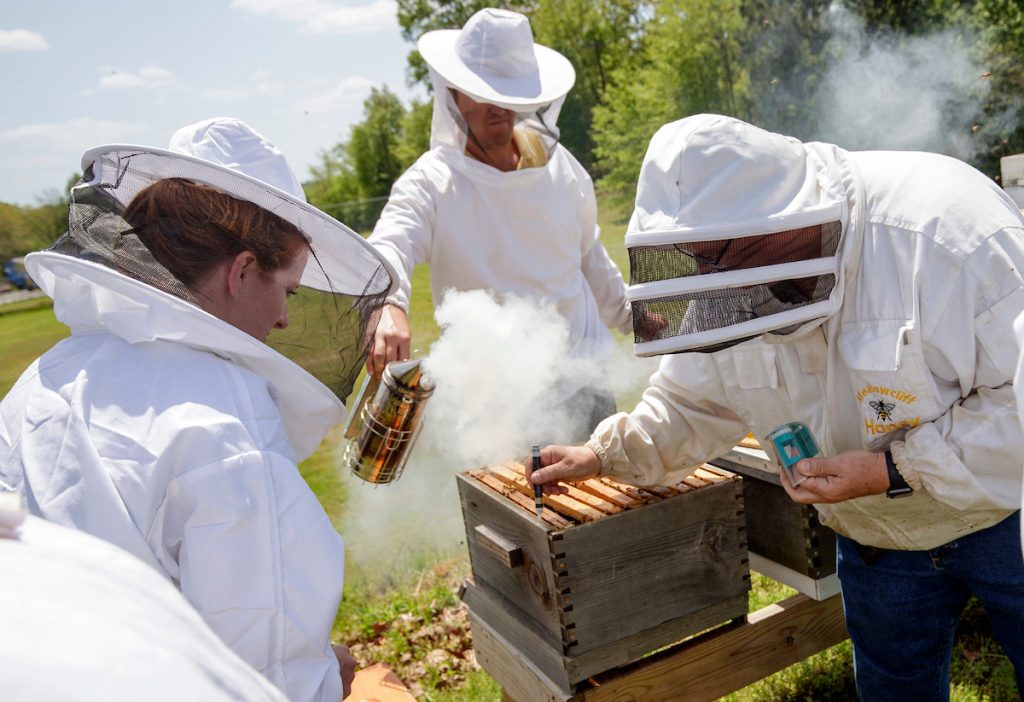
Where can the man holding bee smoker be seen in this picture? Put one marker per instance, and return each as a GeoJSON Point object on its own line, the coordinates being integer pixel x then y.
{"type": "Point", "coordinates": [498, 203]}
{"type": "Point", "coordinates": [863, 299]}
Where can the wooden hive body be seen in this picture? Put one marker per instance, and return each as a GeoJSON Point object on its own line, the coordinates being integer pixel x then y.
{"type": "Point", "coordinates": [609, 574]}
{"type": "Point", "coordinates": [780, 531]}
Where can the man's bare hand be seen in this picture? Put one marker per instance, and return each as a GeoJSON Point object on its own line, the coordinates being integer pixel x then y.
{"type": "Point", "coordinates": [650, 325]}
{"type": "Point", "coordinates": [391, 340]}
{"type": "Point", "coordinates": [347, 665]}
{"type": "Point", "coordinates": [563, 463]}
{"type": "Point", "coordinates": [846, 476]}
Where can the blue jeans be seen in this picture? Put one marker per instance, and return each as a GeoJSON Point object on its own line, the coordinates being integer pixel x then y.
{"type": "Point", "coordinates": [902, 608]}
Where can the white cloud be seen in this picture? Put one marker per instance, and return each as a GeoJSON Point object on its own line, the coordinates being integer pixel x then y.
{"type": "Point", "coordinates": [21, 40]}
{"type": "Point", "coordinates": [343, 95]}
{"type": "Point", "coordinates": [259, 83]}
{"type": "Point", "coordinates": [146, 77]}
{"type": "Point", "coordinates": [225, 94]}
{"type": "Point", "coordinates": [74, 135]}
{"type": "Point", "coordinates": [327, 17]}
{"type": "Point", "coordinates": [38, 158]}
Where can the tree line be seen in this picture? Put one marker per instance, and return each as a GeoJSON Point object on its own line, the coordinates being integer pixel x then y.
{"type": "Point", "coordinates": [24, 229]}
{"type": "Point", "coordinates": [932, 75]}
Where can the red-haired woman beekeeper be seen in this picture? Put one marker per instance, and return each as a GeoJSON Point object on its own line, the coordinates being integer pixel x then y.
{"type": "Point", "coordinates": [166, 424]}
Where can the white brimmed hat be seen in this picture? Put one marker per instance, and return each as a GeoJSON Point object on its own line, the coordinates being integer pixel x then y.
{"type": "Point", "coordinates": [344, 261]}
{"type": "Point", "coordinates": [494, 59]}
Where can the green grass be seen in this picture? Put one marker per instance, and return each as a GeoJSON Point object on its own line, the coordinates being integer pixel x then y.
{"type": "Point", "coordinates": [27, 329]}
{"type": "Point", "coordinates": [408, 615]}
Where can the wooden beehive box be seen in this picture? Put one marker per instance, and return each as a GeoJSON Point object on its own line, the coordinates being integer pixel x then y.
{"type": "Point", "coordinates": [785, 539]}
{"type": "Point", "coordinates": [608, 574]}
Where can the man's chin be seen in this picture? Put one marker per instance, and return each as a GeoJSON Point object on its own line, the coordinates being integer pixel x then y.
{"type": "Point", "coordinates": [499, 135]}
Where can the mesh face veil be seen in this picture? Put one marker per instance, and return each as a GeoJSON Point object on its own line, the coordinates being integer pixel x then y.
{"type": "Point", "coordinates": [736, 233]}
{"type": "Point", "coordinates": [449, 128]}
{"type": "Point", "coordinates": [333, 303]}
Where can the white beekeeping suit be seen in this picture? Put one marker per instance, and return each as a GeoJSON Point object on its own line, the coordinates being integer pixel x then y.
{"type": "Point", "coordinates": [532, 231]}
{"type": "Point", "coordinates": [84, 620]}
{"type": "Point", "coordinates": [868, 296]}
{"type": "Point", "coordinates": [1018, 383]}
{"type": "Point", "coordinates": [169, 432]}
{"type": "Point", "coordinates": [901, 340]}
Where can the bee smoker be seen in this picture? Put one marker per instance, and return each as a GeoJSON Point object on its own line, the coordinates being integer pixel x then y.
{"type": "Point", "coordinates": [386, 421]}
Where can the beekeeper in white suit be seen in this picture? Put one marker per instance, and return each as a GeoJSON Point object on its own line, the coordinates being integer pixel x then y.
{"type": "Point", "coordinates": [84, 620]}
{"type": "Point", "coordinates": [868, 295]}
{"type": "Point", "coordinates": [497, 203]}
{"type": "Point", "coordinates": [165, 424]}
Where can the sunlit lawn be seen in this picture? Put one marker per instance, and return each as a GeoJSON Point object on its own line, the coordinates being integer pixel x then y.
{"type": "Point", "coordinates": [403, 610]}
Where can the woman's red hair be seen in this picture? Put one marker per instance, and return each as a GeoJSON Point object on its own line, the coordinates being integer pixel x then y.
{"type": "Point", "coordinates": [191, 228]}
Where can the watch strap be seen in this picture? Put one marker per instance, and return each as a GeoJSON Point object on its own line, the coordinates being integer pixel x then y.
{"type": "Point", "coordinates": [898, 487]}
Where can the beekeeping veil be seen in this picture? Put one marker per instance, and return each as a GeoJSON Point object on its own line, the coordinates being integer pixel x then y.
{"type": "Point", "coordinates": [344, 283]}
{"type": "Point", "coordinates": [735, 234]}
{"type": "Point", "coordinates": [493, 59]}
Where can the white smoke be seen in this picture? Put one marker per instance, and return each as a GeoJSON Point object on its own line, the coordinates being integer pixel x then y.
{"type": "Point", "coordinates": [893, 91]}
{"type": "Point", "coordinates": [504, 373]}
{"type": "Point", "coordinates": [504, 380]}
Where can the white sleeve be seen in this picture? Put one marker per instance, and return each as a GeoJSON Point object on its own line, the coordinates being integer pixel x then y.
{"type": "Point", "coordinates": [601, 273]}
{"type": "Point", "coordinates": [609, 290]}
{"type": "Point", "coordinates": [85, 620]}
{"type": "Point", "coordinates": [672, 427]}
{"type": "Point", "coordinates": [12, 415]}
{"type": "Point", "coordinates": [970, 456]}
{"type": "Point", "coordinates": [8, 479]}
{"type": "Point", "coordinates": [257, 557]}
{"type": "Point", "coordinates": [405, 229]}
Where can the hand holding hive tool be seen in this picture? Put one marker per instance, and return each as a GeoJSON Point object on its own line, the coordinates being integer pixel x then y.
{"type": "Point", "coordinates": [538, 489]}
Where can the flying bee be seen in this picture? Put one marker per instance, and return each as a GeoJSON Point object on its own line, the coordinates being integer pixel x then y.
{"type": "Point", "coordinates": [883, 410]}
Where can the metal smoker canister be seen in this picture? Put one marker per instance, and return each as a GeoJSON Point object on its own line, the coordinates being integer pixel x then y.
{"type": "Point", "coordinates": [386, 421]}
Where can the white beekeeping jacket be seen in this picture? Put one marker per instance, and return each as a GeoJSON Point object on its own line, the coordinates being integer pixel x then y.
{"type": "Point", "coordinates": [919, 358]}
{"type": "Point", "coordinates": [532, 232]}
{"type": "Point", "coordinates": [175, 436]}
{"type": "Point", "coordinates": [84, 620]}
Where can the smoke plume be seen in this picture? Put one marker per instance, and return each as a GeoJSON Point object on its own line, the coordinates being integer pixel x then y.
{"type": "Point", "coordinates": [505, 379]}
{"type": "Point", "coordinates": [879, 89]}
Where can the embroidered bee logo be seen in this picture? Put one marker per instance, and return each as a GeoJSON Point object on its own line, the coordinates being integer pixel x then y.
{"type": "Point", "coordinates": [883, 410]}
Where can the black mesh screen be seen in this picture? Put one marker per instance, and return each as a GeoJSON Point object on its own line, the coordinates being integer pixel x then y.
{"type": "Point", "coordinates": [648, 264]}
{"type": "Point", "coordinates": [703, 311]}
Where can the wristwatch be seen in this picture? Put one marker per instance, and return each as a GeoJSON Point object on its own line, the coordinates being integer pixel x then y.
{"type": "Point", "coordinates": [897, 485]}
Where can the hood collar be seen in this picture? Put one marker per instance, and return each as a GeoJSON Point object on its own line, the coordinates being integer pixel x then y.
{"type": "Point", "coordinates": [91, 297]}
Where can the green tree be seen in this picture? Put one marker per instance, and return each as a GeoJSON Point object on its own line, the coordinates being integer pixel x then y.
{"type": "Point", "coordinates": [373, 143]}
{"type": "Point", "coordinates": [784, 51]}
{"type": "Point", "coordinates": [354, 177]}
{"type": "Point", "coordinates": [689, 62]}
{"type": "Point", "coordinates": [596, 36]}
{"type": "Point", "coordinates": [414, 139]}
{"type": "Point", "coordinates": [1002, 39]}
{"type": "Point", "coordinates": [995, 32]}
{"type": "Point", "coordinates": [13, 231]}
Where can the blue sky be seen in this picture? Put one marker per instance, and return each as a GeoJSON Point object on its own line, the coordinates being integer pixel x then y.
{"type": "Point", "coordinates": [75, 74]}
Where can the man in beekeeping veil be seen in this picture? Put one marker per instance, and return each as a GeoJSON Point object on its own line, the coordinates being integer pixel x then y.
{"type": "Point", "coordinates": [869, 295]}
{"type": "Point", "coordinates": [497, 203]}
